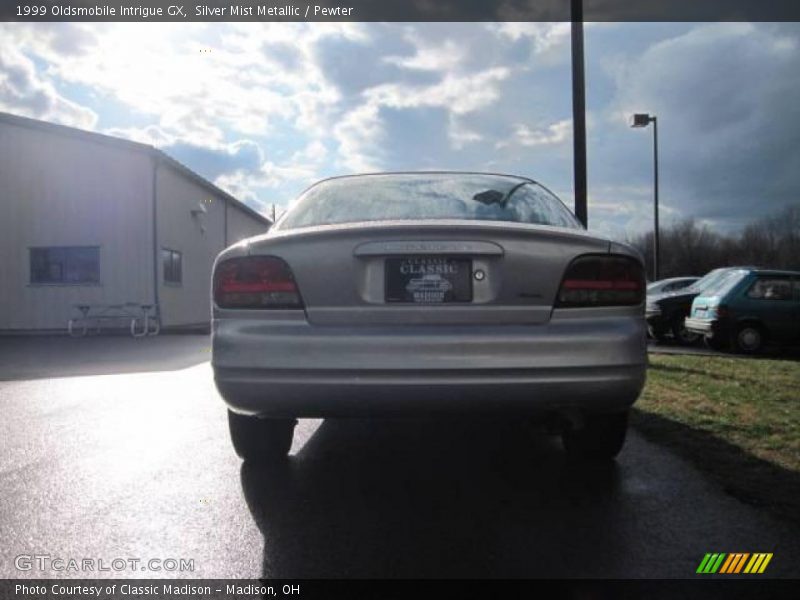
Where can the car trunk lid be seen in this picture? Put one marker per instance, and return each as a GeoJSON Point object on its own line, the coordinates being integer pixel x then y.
{"type": "Point", "coordinates": [429, 273]}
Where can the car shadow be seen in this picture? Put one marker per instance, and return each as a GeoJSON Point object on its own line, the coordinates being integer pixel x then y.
{"type": "Point", "coordinates": [433, 498]}
{"type": "Point", "coordinates": [742, 475]}
{"type": "Point", "coordinates": [44, 357]}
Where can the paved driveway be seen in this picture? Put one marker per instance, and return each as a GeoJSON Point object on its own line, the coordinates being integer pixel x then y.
{"type": "Point", "coordinates": [138, 465]}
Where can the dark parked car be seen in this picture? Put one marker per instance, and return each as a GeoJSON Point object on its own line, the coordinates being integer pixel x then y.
{"type": "Point", "coordinates": [748, 309]}
{"type": "Point", "coordinates": [665, 312]}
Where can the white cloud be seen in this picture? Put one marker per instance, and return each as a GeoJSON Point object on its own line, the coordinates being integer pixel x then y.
{"type": "Point", "coordinates": [265, 109]}
{"type": "Point", "coordinates": [151, 134]}
{"type": "Point", "coordinates": [459, 94]}
{"type": "Point", "coordinates": [198, 80]}
{"type": "Point", "coordinates": [545, 35]}
{"type": "Point", "coordinates": [302, 168]}
{"type": "Point", "coordinates": [359, 134]}
{"type": "Point", "coordinates": [241, 185]}
{"type": "Point", "coordinates": [460, 134]}
{"type": "Point", "coordinates": [429, 56]}
{"type": "Point", "coordinates": [361, 131]}
{"type": "Point", "coordinates": [315, 152]}
{"type": "Point", "coordinates": [26, 91]}
{"type": "Point", "coordinates": [623, 211]}
{"type": "Point", "coordinates": [548, 40]}
{"type": "Point", "coordinates": [556, 133]}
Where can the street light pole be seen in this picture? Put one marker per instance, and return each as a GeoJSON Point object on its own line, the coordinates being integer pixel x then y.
{"type": "Point", "coordinates": [656, 258]}
{"type": "Point", "coordinates": [643, 120]}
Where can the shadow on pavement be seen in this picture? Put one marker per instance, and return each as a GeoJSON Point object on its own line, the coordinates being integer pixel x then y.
{"type": "Point", "coordinates": [43, 357]}
{"type": "Point", "coordinates": [434, 498]}
{"type": "Point", "coordinates": [742, 475]}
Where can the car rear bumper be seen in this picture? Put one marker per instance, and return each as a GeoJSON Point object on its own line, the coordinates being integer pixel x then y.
{"type": "Point", "coordinates": [712, 328]}
{"type": "Point", "coordinates": [295, 369]}
{"type": "Point", "coordinates": [701, 326]}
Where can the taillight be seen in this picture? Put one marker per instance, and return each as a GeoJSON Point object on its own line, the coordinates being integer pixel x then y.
{"type": "Point", "coordinates": [602, 280]}
{"type": "Point", "coordinates": [255, 282]}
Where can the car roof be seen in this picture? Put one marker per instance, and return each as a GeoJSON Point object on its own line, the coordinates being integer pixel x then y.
{"type": "Point", "coordinates": [434, 172]}
{"type": "Point", "coordinates": [677, 278]}
{"type": "Point", "coordinates": [760, 271]}
{"type": "Point", "coordinates": [775, 272]}
{"type": "Point", "coordinates": [670, 280]}
{"type": "Point", "coordinates": [516, 178]}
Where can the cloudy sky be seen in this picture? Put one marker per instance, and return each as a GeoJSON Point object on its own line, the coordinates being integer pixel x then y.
{"type": "Point", "coordinates": [263, 110]}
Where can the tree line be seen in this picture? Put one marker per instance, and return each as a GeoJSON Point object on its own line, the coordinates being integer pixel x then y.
{"type": "Point", "coordinates": [691, 249]}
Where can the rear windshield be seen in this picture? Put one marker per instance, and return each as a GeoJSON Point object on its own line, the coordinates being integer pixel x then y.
{"type": "Point", "coordinates": [725, 283]}
{"type": "Point", "coordinates": [430, 196]}
{"type": "Point", "coordinates": [708, 280]}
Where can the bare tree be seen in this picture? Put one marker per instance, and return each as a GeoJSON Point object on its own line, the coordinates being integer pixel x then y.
{"type": "Point", "coordinates": [690, 249]}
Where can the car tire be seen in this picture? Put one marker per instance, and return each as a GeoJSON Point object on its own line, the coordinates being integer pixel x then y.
{"type": "Point", "coordinates": [599, 439]}
{"type": "Point", "coordinates": [261, 441]}
{"type": "Point", "coordinates": [750, 338]}
{"type": "Point", "coordinates": [682, 335]}
{"type": "Point", "coordinates": [657, 334]}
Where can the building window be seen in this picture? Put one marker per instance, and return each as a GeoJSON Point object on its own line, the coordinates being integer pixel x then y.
{"type": "Point", "coordinates": [65, 265]}
{"type": "Point", "coordinates": [173, 265]}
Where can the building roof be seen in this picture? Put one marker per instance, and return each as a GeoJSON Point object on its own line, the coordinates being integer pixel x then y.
{"type": "Point", "coordinates": [158, 155]}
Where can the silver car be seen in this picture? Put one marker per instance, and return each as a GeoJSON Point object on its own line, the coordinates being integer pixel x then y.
{"type": "Point", "coordinates": [428, 293]}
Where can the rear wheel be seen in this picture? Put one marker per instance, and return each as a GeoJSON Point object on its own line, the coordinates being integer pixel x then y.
{"type": "Point", "coordinates": [750, 338]}
{"type": "Point", "coordinates": [601, 438]}
{"type": "Point", "coordinates": [657, 333]}
{"type": "Point", "coordinates": [261, 441]}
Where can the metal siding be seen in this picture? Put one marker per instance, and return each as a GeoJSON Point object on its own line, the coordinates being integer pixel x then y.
{"type": "Point", "coordinates": [189, 302]}
{"type": "Point", "coordinates": [62, 191]}
{"type": "Point", "coordinates": [241, 225]}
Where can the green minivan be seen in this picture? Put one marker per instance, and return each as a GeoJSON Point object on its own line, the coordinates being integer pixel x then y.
{"type": "Point", "coordinates": [749, 309]}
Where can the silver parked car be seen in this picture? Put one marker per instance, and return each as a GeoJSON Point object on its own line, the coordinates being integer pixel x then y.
{"type": "Point", "coordinates": [673, 284]}
{"type": "Point", "coordinates": [428, 293]}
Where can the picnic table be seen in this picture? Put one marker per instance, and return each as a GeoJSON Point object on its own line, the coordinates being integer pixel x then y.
{"type": "Point", "coordinates": [140, 319]}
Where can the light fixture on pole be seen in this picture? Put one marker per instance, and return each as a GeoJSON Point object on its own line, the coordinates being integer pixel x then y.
{"type": "Point", "coordinates": [643, 120]}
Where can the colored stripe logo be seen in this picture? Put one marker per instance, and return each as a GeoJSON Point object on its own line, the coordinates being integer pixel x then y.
{"type": "Point", "coordinates": [734, 563]}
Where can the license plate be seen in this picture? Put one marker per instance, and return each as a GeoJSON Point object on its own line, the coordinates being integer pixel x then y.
{"type": "Point", "coordinates": [428, 280]}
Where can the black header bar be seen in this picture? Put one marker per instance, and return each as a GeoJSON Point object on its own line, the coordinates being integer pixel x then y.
{"type": "Point", "coordinates": [406, 589]}
{"type": "Point", "coordinates": [396, 10]}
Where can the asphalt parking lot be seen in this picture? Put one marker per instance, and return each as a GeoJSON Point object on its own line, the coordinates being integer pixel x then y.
{"type": "Point", "coordinates": [114, 447]}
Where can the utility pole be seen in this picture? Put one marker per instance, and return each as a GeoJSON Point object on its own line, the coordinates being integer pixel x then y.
{"type": "Point", "coordinates": [657, 258]}
{"type": "Point", "coordinates": [579, 114]}
{"type": "Point", "coordinates": [640, 120]}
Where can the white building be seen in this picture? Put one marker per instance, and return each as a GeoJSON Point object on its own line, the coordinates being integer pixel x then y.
{"type": "Point", "coordinates": [92, 219]}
